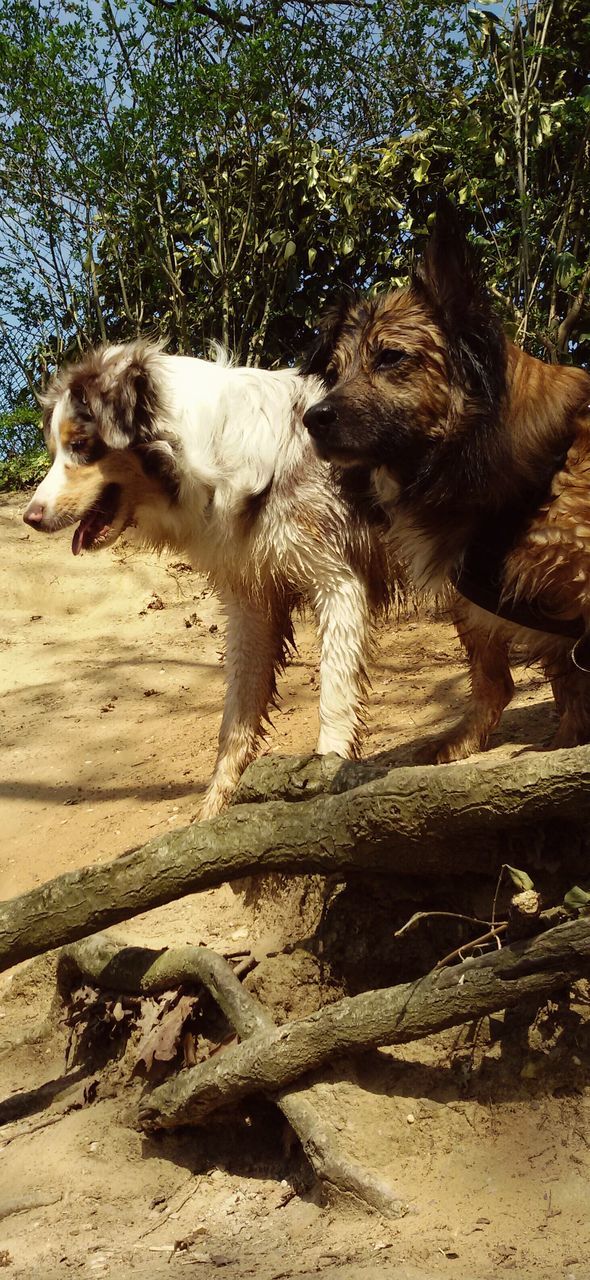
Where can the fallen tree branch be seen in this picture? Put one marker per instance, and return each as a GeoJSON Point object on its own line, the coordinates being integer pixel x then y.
{"type": "Point", "coordinates": [108, 964]}
{"type": "Point", "coordinates": [9, 1135]}
{"type": "Point", "coordinates": [271, 1060]}
{"type": "Point", "coordinates": [296, 778]}
{"type": "Point", "coordinates": [427, 821]}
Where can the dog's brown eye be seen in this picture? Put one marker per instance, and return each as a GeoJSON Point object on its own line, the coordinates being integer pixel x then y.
{"type": "Point", "coordinates": [79, 447]}
{"type": "Point", "coordinates": [389, 357]}
{"type": "Point", "coordinates": [330, 378]}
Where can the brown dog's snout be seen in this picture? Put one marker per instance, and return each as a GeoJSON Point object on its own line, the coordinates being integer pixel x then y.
{"type": "Point", "coordinates": [34, 515]}
{"type": "Point", "coordinates": [320, 418]}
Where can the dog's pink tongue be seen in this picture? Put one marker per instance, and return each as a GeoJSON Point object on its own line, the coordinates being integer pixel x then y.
{"type": "Point", "coordinates": [78, 539]}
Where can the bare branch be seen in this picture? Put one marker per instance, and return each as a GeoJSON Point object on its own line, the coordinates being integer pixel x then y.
{"type": "Point", "coordinates": [271, 1060]}
{"type": "Point", "coordinates": [105, 963]}
{"type": "Point", "coordinates": [420, 821]}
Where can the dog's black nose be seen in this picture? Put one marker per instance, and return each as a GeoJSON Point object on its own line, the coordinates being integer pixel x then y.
{"type": "Point", "coordinates": [319, 416]}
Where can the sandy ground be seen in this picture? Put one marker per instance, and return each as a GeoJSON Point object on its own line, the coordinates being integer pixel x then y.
{"type": "Point", "coordinates": [112, 682]}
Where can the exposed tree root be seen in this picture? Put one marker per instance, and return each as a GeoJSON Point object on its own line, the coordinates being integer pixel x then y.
{"type": "Point", "coordinates": [272, 1059]}
{"type": "Point", "coordinates": [106, 963]}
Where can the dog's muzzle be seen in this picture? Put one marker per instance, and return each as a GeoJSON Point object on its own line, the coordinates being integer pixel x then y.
{"type": "Point", "coordinates": [320, 419]}
{"type": "Point", "coordinates": [332, 436]}
{"type": "Point", "coordinates": [34, 515]}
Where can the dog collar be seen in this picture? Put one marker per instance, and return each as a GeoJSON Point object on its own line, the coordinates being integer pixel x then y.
{"type": "Point", "coordinates": [487, 595]}
{"type": "Point", "coordinates": [479, 579]}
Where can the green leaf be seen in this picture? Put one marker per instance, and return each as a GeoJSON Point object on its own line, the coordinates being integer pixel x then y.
{"type": "Point", "coordinates": [520, 879]}
{"type": "Point", "coordinates": [290, 249]}
{"type": "Point", "coordinates": [311, 256]}
{"type": "Point", "coordinates": [475, 127]}
{"type": "Point", "coordinates": [421, 170]}
{"type": "Point", "coordinates": [390, 202]}
{"type": "Point", "coordinates": [388, 160]}
{"type": "Point", "coordinates": [577, 900]}
{"type": "Point", "coordinates": [567, 269]}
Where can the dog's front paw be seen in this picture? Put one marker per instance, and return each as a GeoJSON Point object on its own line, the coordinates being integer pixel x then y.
{"type": "Point", "coordinates": [568, 734]}
{"type": "Point", "coordinates": [446, 750]}
{"type": "Point", "coordinates": [216, 799]}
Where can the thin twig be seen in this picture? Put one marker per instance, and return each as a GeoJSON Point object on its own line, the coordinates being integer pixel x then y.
{"type": "Point", "coordinates": [458, 953]}
{"type": "Point", "coordinates": [449, 915]}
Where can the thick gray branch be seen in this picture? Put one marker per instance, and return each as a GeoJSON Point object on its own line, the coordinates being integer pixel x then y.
{"type": "Point", "coordinates": [428, 821]}
{"type": "Point", "coordinates": [274, 1059]}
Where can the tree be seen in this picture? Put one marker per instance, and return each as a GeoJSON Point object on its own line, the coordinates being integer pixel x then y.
{"type": "Point", "coordinates": [219, 171]}
{"type": "Point", "coordinates": [511, 142]}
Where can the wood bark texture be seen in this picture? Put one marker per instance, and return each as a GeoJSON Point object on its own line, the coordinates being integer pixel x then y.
{"type": "Point", "coordinates": [272, 1059]}
{"type": "Point", "coordinates": [106, 963]}
{"type": "Point", "coordinates": [426, 821]}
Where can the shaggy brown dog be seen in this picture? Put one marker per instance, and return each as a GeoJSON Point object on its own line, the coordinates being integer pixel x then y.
{"type": "Point", "coordinates": [481, 457]}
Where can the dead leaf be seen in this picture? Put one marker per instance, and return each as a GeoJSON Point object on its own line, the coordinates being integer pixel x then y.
{"type": "Point", "coordinates": [189, 1049]}
{"type": "Point", "coordinates": [93, 1018]}
{"type": "Point", "coordinates": [162, 1041]}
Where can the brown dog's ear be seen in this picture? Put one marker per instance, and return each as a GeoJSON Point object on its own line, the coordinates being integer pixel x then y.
{"type": "Point", "coordinates": [318, 356]}
{"type": "Point", "coordinates": [449, 273]}
{"type": "Point", "coordinates": [121, 399]}
{"type": "Point", "coordinates": [449, 278]}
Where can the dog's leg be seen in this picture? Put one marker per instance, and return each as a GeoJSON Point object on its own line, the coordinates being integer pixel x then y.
{"type": "Point", "coordinates": [256, 644]}
{"type": "Point", "coordinates": [344, 624]}
{"type": "Point", "coordinates": [571, 690]}
{"type": "Point", "coordinates": [492, 688]}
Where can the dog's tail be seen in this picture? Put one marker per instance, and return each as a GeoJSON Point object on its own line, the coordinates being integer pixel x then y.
{"type": "Point", "coordinates": [220, 354]}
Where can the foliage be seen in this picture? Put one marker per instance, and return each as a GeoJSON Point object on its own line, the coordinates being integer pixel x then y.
{"type": "Point", "coordinates": [577, 901]}
{"type": "Point", "coordinates": [23, 457]}
{"type": "Point", "coordinates": [535, 205]}
{"type": "Point", "coordinates": [218, 171]}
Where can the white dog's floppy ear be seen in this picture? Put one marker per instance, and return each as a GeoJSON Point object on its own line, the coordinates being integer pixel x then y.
{"type": "Point", "coordinates": [120, 396]}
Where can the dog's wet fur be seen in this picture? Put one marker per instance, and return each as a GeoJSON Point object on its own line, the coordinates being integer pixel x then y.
{"type": "Point", "coordinates": [467, 437]}
{"type": "Point", "coordinates": [213, 462]}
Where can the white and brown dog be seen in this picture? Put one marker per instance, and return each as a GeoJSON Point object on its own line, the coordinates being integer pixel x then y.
{"type": "Point", "coordinates": [213, 461]}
